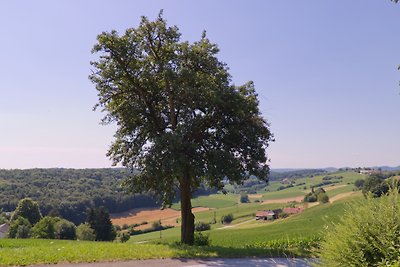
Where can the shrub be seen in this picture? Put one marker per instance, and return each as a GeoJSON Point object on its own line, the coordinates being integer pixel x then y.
{"type": "Point", "coordinates": [368, 234]}
{"type": "Point", "coordinates": [125, 226]}
{"type": "Point", "coordinates": [375, 184]}
{"type": "Point", "coordinates": [201, 240]}
{"type": "Point", "coordinates": [359, 183]}
{"type": "Point", "coordinates": [156, 226]}
{"type": "Point", "coordinates": [227, 218]}
{"type": "Point", "coordinates": [123, 237]}
{"type": "Point", "coordinates": [323, 198]}
{"type": "Point", "coordinates": [45, 228]}
{"type": "Point", "coordinates": [244, 198]}
{"type": "Point", "coordinates": [202, 226]}
{"type": "Point", "coordinates": [65, 229]}
{"type": "Point", "coordinates": [283, 215]}
{"type": "Point", "coordinates": [20, 228]}
{"type": "Point", "coordinates": [85, 232]}
{"type": "Point", "coordinates": [310, 197]}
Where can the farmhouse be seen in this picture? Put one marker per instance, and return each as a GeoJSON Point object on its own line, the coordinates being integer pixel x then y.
{"type": "Point", "coordinates": [3, 230]}
{"type": "Point", "coordinates": [293, 210]}
{"type": "Point", "coordinates": [268, 214]}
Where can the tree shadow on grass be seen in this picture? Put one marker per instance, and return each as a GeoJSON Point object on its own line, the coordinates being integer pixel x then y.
{"type": "Point", "coordinates": [238, 257]}
{"type": "Point", "coordinates": [204, 252]}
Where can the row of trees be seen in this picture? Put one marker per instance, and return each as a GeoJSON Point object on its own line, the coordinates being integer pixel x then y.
{"type": "Point", "coordinates": [27, 221]}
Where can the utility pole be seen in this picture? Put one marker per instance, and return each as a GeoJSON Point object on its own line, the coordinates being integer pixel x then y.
{"type": "Point", "coordinates": [160, 229]}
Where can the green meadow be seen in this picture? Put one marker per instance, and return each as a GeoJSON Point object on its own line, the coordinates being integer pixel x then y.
{"type": "Point", "coordinates": [243, 237]}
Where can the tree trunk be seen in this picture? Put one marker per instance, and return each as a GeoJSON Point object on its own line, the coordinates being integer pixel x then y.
{"type": "Point", "coordinates": [187, 226]}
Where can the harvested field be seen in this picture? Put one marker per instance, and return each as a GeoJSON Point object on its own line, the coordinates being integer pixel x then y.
{"type": "Point", "coordinates": [167, 216]}
{"type": "Point", "coordinates": [255, 196]}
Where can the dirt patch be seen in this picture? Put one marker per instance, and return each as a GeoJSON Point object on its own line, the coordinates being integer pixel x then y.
{"type": "Point", "coordinates": [167, 216]}
{"type": "Point", "coordinates": [255, 196]}
{"type": "Point", "coordinates": [283, 200]}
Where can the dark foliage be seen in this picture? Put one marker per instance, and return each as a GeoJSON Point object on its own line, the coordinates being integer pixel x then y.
{"type": "Point", "coordinates": [225, 219]}
{"type": "Point", "coordinates": [202, 226]}
{"type": "Point", "coordinates": [276, 176]}
{"type": "Point", "coordinates": [68, 193]}
{"type": "Point", "coordinates": [375, 184]}
{"type": "Point", "coordinates": [99, 220]}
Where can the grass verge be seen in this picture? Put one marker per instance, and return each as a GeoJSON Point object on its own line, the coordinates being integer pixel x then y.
{"type": "Point", "coordinates": [37, 251]}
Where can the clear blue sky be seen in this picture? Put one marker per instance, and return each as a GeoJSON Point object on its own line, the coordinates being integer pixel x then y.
{"type": "Point", "coordinates": [326, 73]}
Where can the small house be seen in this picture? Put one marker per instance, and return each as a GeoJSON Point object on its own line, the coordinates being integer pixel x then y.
{"type": "Point", "coordinates": [266, 215]}
{"type": "Point", "coordinates": [3, 230]}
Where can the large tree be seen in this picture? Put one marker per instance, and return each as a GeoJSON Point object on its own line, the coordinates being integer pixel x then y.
{"type": "Point", "coordinates": [180, 120]}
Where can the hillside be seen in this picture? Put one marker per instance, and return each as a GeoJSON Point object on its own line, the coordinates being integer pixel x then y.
{"type": "Point", "coordinates": [69, 192]}
{"type": "Point", "coordinates": [339, 186]}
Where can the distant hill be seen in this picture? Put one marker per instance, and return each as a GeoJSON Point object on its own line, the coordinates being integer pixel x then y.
{"type": "Point", "coordinates": [294, 173]}
{"type": "Point", "coordinates": [386, 168]}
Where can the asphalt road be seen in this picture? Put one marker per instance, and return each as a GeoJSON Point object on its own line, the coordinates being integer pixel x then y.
{"type": "Point", "coordinates": [219, 262]}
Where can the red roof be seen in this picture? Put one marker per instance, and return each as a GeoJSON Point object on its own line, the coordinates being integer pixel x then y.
{"type": "Point", "coordinates": [265, 213]}
{"type": "Point", "coordinates": [293, 210]}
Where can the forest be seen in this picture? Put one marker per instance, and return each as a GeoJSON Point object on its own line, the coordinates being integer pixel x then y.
{"type": "Point", "coordinates": [69, 192]}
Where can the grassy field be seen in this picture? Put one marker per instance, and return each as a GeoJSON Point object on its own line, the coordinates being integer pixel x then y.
{"type": "Point", "coordinates": [242, 238]}
{"type": "Point", "coordinates": [223, 204]}
{"type": "Point", "coordinates": [20, 252]}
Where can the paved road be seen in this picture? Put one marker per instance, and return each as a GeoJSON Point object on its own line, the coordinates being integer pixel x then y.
{"type": "Point", "coordinates": [220, 262]}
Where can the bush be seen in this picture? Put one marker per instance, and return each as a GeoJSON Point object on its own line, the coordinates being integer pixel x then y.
{"type": "Point", "coordinates": [123, 237]}
{"type": "Point", "coordinates": [323, 198]}
{"type": "Point", "coordinates": [65, 229]}
{"type": "Point", "coordinates": [20, 228]}
{"type": "Point", "coordinates": [375, 184]}
{"type": "Point", "coordinates": [283, 215]}
{"type": "Point", "coordinates": [244, 198]}
{"type": "Point", "coordinates": [45, 228]}
{"type": "Point", "coordinates": [201, 240]}
{"type": "Point", "coordinates": [359, 183]}
{"type": "Point", "coordinates": [85, 232]}
{"type": "Point", "coordinates": [202, 226]}
{"type": "Point", "coordinates": [310, 198]}
{"type": "Point", "coordinates": [156, 226]}
{"type": "Point", "coordinates": [225, 219]}
{"type": "Point", "coordinates": [368, 234]}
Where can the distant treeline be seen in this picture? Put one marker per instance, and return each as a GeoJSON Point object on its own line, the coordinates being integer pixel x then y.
{"type": "Point", "coordinates": [276, 176]}
{"type": "Point", "coordinates": [69, 192]}
{"type": "Point", "coordinates": [252, 185]}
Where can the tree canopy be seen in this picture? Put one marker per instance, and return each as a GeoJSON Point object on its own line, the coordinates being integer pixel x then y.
{"type": "Point", "coordinates": [28, 209]}
{"type": "Point", "coordinates": [180, 120]}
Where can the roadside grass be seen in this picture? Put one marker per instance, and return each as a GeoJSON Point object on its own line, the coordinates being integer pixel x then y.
{"type": "Point", "coordinates": [35, 251]}
{"type": "Point", "coordinates": [20, 252]}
